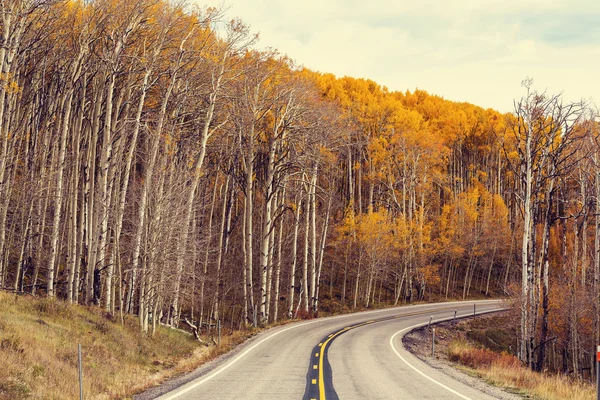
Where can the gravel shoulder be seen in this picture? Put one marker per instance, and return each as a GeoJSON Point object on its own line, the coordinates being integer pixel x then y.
{"type": "Point", "coordinates": [418, 342]}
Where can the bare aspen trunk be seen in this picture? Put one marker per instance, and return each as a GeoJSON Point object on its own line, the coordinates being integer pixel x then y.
{"type": "Point", "coordinates": [322, 252]}
{"type": "Point", "coordinates": [524, 353]}
{"type": "Point", "coordinates": [248, 220]}
{"type": "Point", "coordinates": [245, 315]}
{"type": "Point", "coordinates": [90, 220]}
{"type": "Point", "coordinates": [584, 250]}
{"type": "Point", "coordinates": [125, 180]}
{"type": "Point", "coordinates": [151, 258]}
{"type": "Point", "coordinates": [371, 187]}
{"type": "Point", "coordinates": [279, 255]}
{"type": "Point", "coordinates": [345, 281]}
{"type": "Point", "coordinates": [489, 275]}
{"type": "Point", "coordinates": [305, 263]}
{"type": "Point", "coordinates": [196, 177]}
{"type": "Point", "coordinates": [270, 268]}
{"type": "Point", "coordinates": [106, 168]}
{"type": "Point", "coordinates": [58, 194]}
{"type": "Point", "coordinates": [74, 261]}
{"type": "Point", "coordinates": [545, 283]}
{"type": "Point", "coordinates": [350, 179]}
{"type": "Point", "coordinates": [313, 240]}
{"type": "Point", "coordinates": [292, 277]}
{"type": "Point", "coordinates": [24, 242]}
{"type": "Point", "coordinates": [207, 249]}
{"type": "Point", "coordinates": [359, 189]}
{"type": "Point", "coordinates": [367, 297]}
{"type": "Point", "coordinates": [573, 314]}
{"type": "Point", "coordinates": [356, 284]}
{"type": "Point", "coordinates": [265, 248]}
{"type": "Point", "coordinates": [104, 190]}
{"type": "Point", "coordinates": [225, 211]}
{"type": "Point", "coordinates": [148, 174]}
{"type": "Point", "coordinates": [10, 44]}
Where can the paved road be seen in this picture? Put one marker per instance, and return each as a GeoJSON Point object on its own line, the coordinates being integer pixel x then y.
{"type": "Point", "coordinates": [356, 356]}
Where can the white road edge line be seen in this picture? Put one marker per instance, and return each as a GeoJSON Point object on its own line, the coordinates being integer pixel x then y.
{"type": "Point", "coordinates": [418, 370]}
{"type": "Point", "coordinates": [186, 389]}
{"type": "Point", "coordinates": [192, 385]}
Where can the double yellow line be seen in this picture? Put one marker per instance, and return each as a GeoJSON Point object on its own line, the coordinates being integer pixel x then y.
{"type": "Point", "coordinates": [323, 345]}
{"type": "Point", "coordinates": [322, 354]}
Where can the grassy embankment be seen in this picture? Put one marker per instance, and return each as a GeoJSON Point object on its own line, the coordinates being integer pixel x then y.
{"type": "Point", "coordinates": [482, 348]}
{"type": "Point", "coordinates": [506, 370]}
{"type": "Point", "coordinates": [38, 351]}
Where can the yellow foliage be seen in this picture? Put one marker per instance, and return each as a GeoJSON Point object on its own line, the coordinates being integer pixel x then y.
{"type": "Point", "coordinates": [430, 274]}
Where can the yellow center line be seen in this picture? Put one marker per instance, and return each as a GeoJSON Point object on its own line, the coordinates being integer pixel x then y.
{"type": "Point", "coordinates": [324, 344]}
{"type": "Point", "coordinates": [321, 376]}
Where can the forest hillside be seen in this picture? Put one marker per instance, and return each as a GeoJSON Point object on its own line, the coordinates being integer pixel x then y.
{"type": "Point", "coordinates": [39, 340]}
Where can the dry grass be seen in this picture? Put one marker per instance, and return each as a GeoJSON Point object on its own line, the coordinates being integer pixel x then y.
{"type": "Point", "coordinates": [38, 352]}
{"type": "Point", "coordinates": [505, 370]}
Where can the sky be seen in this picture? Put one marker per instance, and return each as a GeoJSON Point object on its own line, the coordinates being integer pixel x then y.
{"type": "Point", "coordinates": [478, 51]}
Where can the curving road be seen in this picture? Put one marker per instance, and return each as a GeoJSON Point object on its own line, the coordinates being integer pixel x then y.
{"type": "Point", "coordinates": [354, 356]}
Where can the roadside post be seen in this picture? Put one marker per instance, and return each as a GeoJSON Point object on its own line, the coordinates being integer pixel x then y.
{"type": "Point", "coordinates": [80, 372]}
{"type": "Point", "coordinates": [433, 343]}
{"type": "Point", "coordinates": [219, 332]}
{"type": "Point", "coordinates": [454, 319]}
{"type": "Point", "coordinates": [429, 323]}
{"type": "Point", "coordinates": [598, 372]}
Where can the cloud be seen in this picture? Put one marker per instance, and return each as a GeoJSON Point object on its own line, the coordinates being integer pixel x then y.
{"type": "Point", "coordinates": [467, 50]}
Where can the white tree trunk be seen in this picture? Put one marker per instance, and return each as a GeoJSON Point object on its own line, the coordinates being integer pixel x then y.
{"type": "Point", "coordinates": [196, 177]}
{"type": "Point", "coordinates": [279, 255]}
{"type": "Point", "coordinates": [313, 240]}
{"type": "Point", "coordinates": [265, 246]}
{"type": "Point", "coordinates": [58, 193]}
{"type": "Point", "coordinates": [292, 277]}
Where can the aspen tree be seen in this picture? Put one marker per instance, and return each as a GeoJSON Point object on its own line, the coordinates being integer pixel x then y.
{"type": "Point", "coordinates": [236, 42]}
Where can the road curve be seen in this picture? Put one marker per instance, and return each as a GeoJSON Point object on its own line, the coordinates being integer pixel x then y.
{"type": "Point", "coordinates": [361, 358]}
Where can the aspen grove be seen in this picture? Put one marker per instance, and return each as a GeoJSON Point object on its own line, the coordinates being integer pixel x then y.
{"type": "Point", "coordinates": [154, 163]}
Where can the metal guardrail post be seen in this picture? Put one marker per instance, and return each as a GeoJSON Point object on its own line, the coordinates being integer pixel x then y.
{"type": "Point", "coordinates": [433, 343]}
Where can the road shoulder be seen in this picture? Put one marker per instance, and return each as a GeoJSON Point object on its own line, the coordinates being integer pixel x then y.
{"type": "Point", "coordinates": [418, 343]}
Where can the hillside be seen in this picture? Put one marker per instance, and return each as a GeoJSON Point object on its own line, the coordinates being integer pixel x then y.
{"type": "Point", "coordinates": [38, 349]}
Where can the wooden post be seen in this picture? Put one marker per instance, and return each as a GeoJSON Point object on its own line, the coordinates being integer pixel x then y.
{"type": "Point", "coordinates": [80, 372]}
{"type": "Point", "coordinates": [598, 373]}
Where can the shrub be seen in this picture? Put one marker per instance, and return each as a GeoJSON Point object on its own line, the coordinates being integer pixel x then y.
{"type": "Point", "coordinates": [52, 307]}
{"type": "Point", "coordinates": [471, 356]}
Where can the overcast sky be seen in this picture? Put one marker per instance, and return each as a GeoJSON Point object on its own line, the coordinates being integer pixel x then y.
{"type": "Point", "coordinates": [477, 51]}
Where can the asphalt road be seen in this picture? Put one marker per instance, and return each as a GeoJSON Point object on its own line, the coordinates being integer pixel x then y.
{"type": "Point", "coordinates": [355, 356]}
